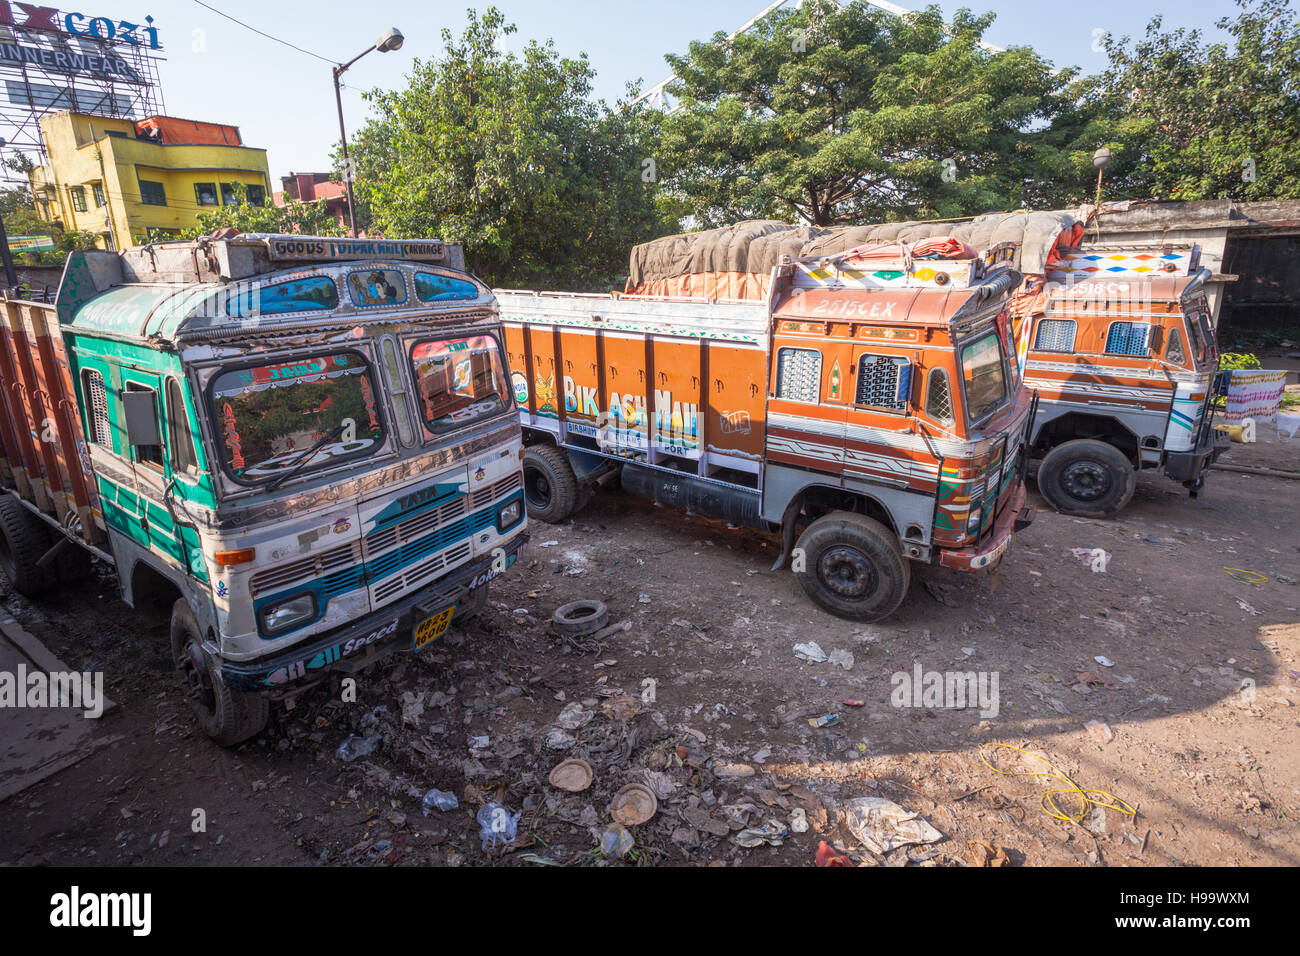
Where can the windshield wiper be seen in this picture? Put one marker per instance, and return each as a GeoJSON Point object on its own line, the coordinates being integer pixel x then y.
{"type": "Point", "coordinates": [301, 463]}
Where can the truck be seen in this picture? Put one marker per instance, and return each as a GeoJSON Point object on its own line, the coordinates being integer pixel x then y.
{"type": "Point", "coordinates": [1124, 361]}
{"type": "Point", "coordinates": [302, 450]}
{"type": "Point", "coordinates": [868, 410]}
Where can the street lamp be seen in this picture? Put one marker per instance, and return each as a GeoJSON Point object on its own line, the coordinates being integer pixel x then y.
{"type": "Point", "coordinates": [390, 39]}
{"type": "Point", "coordinates": [1100, 159]}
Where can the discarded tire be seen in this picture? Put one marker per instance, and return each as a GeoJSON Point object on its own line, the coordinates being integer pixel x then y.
{"type": "Point", "coordinates": [580, 618]}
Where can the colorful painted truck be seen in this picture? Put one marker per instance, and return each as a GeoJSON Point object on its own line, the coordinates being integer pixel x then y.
{"type": "Point", "coordinates": [302, 448]}
{"type": "Point", "coordinates": [1124, 361]}
{"type": "Point", "coordinates": [868, 410]}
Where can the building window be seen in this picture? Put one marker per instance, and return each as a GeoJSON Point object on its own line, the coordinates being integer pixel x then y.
{"type": "Point", "coordinates": [228, 194]}
{"type": "Point", "coordinates": [799, 375]}
{"type": "Point", "coordinates": [1055, 335]}
{"type": "Point", "coordinates": [152, 194]}
{"type": "Point", "coordinates": [881, 382]}
{"type": "Point", "coordinates": [205, 194]}
{"type": "Point", "coordinates": [96, 397]}
{"type": "Point", "coordinates": [78, 194]}
{"type": "Point", "coordinates": [938, 397]}
{"type": "Point", "coordinates": [98, 190]}
{"type": "Point", "coordinates": [1127, 338]}
{"type": "Point", "coordinates": [257, 195]}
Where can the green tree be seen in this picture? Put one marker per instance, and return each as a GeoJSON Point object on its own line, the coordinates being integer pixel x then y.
{"type": "Point", "coordinates": [1188, 119]}
{"type": "Point", "coordinates": [294, 217]}
{"type": "Point", "coordinates": [509, 154]}
{"type": "Point", "coordinates": [844, 113]}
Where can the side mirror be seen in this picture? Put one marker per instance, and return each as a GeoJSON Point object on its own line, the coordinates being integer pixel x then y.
{"type": "Point", "coordinates": [141, 409]}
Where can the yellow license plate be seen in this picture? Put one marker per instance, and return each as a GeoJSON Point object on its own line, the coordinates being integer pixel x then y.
{"type": "Point", "coordinates": [432, 628]}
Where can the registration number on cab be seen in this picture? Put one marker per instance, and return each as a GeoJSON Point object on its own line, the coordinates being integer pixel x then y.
{"type": "Point", "coordinates": [432, 628]}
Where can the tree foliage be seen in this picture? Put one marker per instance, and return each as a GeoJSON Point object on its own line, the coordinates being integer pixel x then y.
{"type": "Point", "coordinates": [848, 113]}
{"type": "Point", "coordinates": [1189, 119]}
{"type": "Point", "coordinates": [510, 155]}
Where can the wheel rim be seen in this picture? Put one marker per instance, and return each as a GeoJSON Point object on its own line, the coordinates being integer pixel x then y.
{"type": "Point", "coordinates": [1086, 480]}
{"type": "Point", "coordinates": [194, 673]}
{"type": "Point", "coordinates": [536, 488]}
{"type": "Point", "coordinates": [846, 572]}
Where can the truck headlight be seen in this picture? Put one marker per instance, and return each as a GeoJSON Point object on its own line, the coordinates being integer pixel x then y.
{"type": "Point", "coordinates": [294, 612]}
{"type": "Point", "coordinates": [973, 523]}
{"type": "Point", "coordinates": [510, 514]}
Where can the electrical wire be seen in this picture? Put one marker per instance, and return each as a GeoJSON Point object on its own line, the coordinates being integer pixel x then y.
{"type": "Point", "coordinates": [267, 35]}
{"type": "Point", "coordinates": [1048, 801]}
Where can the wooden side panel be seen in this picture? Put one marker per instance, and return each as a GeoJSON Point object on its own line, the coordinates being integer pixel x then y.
{"type": "Point", "coordinates": [625, 388]}
{"type": "Point", "coordinates": [735, 401]}
{"type": "Point", "coordinates": [677, 427]}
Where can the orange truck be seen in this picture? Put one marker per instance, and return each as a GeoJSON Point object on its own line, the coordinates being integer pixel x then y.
{"type": "Point", "coordinates": [1122, 355]}
{"type": "Point", "coordinates": [868, 409]}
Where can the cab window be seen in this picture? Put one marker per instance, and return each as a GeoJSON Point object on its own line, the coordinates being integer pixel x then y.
{"type": "Point", "coordinates": [882, 382]}
{"type": "Point", "coordinates": [459, 381]}
{"type": "Point", "coordinates": [1175, 354]}
{"type": "Point", "coordinates": [799, 375]}
{"type": "Point", "coordinates": [179, 437]}
{"type": "Point", "coordinates": [983, 379]}
{"type": "Point", "coordinates": [149, 455]}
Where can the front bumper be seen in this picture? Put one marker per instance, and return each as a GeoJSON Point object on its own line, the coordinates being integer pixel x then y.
{"type": "Point", "coordinates": [1014, 517]}
{"type": "Point", "coordinates": [1190, 466]}
{"type": "Point", "coordinates": [384, 630]}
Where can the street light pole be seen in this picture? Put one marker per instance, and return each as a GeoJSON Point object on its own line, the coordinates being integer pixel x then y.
{"type": "Point", "coordinates": [391, 39]}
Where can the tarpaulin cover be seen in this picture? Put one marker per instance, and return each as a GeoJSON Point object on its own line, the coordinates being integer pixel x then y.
{"type": "Point", "coordinates": [757, 246]}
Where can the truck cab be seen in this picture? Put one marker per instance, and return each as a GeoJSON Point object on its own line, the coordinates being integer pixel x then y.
{"type": "Point", "coordinates": [306, 444]}
{"type": "Point", "coordinates": [1126, 367]}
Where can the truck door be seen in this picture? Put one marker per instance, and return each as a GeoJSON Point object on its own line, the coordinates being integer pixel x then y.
{"type": "Point", "coordinates": [185, 474]}
{"type": "Point", "coordinates": [878, 434]}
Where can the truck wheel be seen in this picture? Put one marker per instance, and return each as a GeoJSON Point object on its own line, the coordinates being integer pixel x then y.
{"type": "Point", "coordinates": [23, 542]}
{"type": "Point", "coordinates": [1087, 478]}
{"type": "Point", "coordinates": [550, 487]}
{"type": "Point", "coordinates": [852, 566]}
{"type": "Point", "coordinates": [227, 716]}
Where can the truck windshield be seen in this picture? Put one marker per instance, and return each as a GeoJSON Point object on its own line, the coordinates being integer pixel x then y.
{"type": "Point", "coordinates": [269, 416]}
{"type": "Point", "coordinates": [460, 381]}
{"type": "Point", "coordinates": [983, 380]}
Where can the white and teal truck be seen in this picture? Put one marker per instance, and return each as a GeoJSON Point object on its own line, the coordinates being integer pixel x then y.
{"type": "Point", "coordinates": [305, 446]}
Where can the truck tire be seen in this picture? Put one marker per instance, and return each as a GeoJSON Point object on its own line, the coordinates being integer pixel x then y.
{"type": "Point", "coordinates": [228, 716]}
{"type": "Point", "coordinates": [852, 566]}
{"type": "Point", "coordinates": [1087, 478]}
{"type": "Point", "coordinates": [23, 542]}
{"type": "Point", "coordinates": [550, 487]}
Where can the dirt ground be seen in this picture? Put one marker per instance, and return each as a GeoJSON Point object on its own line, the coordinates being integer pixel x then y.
{"type": "Point", "coordinates": [1192, 708]}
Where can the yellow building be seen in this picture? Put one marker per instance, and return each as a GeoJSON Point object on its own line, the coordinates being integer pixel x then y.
{"type": "Point", "coordinates": [130, 181]}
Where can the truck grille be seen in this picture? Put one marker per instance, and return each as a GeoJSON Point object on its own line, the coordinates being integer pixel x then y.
{"type": "Point", "coordinates": [347, 566]}
{"type": "Point", "coordinates": [318, 565]}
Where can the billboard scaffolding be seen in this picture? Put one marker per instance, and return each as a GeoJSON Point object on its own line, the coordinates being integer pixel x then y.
{"type": "Point", "coordinates": [58, 61]}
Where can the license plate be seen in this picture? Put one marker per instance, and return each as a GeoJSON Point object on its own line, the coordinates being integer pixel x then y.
{"type": "Point", "coordinates": [432, 628]}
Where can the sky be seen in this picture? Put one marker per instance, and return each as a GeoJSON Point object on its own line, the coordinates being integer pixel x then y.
{"type": "Point", "coordinates": [283, 100]}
